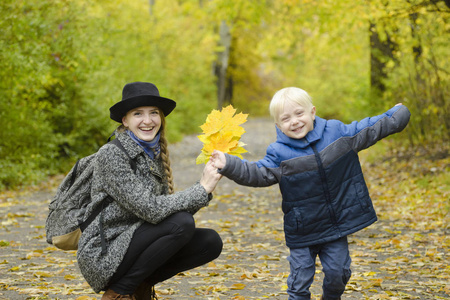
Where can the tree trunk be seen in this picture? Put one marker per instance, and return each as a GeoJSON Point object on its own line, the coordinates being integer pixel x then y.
{"type": "Point", "coordinates": [224, 80]}
{"type": "Point", "coordinates": [379, 51]}
{"type": "Point", "coordinates": [152, 3]}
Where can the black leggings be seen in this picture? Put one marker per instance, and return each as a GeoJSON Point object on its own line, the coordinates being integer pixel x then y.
{"type": "Point", "coordinates": [158, 252]}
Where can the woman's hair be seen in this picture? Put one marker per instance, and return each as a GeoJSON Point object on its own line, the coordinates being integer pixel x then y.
{"type": "Point", "coordinates": [165, 153]}
{"type": "Point", "coordinates": [289, 94]}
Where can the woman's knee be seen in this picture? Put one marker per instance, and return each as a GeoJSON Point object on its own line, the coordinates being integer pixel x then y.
{"type": "Point", "coordinates": [215, 243]}
{"type": "Point", "coordinates": [183, 224]}
{"type": "Point", "coordinates": [210, 241]}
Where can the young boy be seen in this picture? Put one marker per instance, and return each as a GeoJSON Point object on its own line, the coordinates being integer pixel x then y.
{"type": "Point", "coordinates": [325, 197]}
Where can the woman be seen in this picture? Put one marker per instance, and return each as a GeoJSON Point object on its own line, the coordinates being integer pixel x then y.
{"type": "Point", "coordinates": [149, 233]}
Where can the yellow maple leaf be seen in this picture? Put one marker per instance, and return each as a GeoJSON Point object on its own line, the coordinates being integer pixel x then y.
{"type": "Point", "coordinates": [238, 150]}
{"type": "Point", "coordinates": [213, 123]}
{"type": "Point", "coordinates": [222, 141]}
{"type": "Point", "coordinates": [222, 131]}
{"type": "Point", "coordinates": [224, 120]}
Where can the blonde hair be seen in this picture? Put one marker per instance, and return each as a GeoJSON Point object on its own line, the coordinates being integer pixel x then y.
{"type": "Point", "coordinates": [289, 94]}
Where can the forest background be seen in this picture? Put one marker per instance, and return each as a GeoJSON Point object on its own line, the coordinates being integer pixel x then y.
{"type": "Point", "coordinates": [63, 63]}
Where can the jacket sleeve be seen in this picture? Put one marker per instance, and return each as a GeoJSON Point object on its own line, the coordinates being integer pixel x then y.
{"type": "Point", "coordinates": [368, 131]}
{"type": "Point", "coordinates": [256, 174]}
{"type": "Point", "coordinates": [113, 171]}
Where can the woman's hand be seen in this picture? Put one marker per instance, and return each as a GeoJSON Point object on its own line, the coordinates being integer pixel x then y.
{"type": "Point", "coordinates": [210, 177]}
{"type": "Point", "coordinates": [218, 159]}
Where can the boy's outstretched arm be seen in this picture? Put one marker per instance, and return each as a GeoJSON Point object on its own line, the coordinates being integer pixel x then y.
{"type": "Point", "coordinates": [244, 172]}
{"type": "Point", "coordinates": [368, 131]}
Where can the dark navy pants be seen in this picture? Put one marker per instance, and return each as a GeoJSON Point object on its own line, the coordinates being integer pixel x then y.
{"type": "Point", "coordinates": [335, 259]}
{"type": "Point", "coordinates": [158, 252]}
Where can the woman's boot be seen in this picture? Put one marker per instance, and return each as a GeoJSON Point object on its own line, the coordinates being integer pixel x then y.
{"type": "Point", "coordinates": [111, 295]}
{"type": "Point", "coordinates": [145, 292]}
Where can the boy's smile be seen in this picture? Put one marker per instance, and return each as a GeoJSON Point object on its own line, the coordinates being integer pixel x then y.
{"type": "Point", "coordinates": [296, 121]}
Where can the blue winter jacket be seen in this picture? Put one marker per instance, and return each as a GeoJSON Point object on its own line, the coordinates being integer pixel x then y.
{"type": "Point", "coordinates": [324, 193]}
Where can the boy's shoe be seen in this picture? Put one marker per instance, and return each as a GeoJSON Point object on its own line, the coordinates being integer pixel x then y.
{"type": "Point", "coordinates": [322, 298]}
{"type": "Point", "coordinates": [111, 295]}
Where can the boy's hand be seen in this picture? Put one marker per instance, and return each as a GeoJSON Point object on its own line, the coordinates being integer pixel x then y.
{"type": "Point", "coordinates": [218, 159]}
{"type": "Point", "coordinates": [398, 104]}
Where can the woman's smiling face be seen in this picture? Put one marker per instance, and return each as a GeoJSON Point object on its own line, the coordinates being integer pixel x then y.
{"type": "Point", "coordinates": [144, 122]}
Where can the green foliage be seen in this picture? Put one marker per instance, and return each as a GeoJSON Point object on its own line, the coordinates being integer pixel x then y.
{"type": "Point", "coordinates": [418, 73]}
{"type": "Point", "coordinates": [63, 64]}
{"type": "Point", "coordinates": [33, 66]}
{"type": "Point", "coordinates": [322, 49]}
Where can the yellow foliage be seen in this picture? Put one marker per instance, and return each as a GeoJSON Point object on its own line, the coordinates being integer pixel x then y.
{"type": "Point", "coordinates": [238, 286]}
{"type": "Point", "coordinates": [222, 131]}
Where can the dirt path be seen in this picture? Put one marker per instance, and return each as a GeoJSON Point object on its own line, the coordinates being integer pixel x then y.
{"type": "Point", "coordinates": [253, 262]}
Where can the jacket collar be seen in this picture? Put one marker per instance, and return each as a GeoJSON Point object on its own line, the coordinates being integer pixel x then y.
{"type": "Point", "coordinates": [134, 150]}
{"type": "Point", "coordinates": [312, 136]}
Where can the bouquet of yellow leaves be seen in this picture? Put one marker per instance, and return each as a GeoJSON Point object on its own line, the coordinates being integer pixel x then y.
{"type": "Point", "coordinates": [222, 132]}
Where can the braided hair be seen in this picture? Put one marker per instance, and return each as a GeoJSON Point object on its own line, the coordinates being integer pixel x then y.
{"type": "Point", "coordinates": [165, 154]}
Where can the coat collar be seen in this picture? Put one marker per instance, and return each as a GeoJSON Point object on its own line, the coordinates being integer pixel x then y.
{"type": "Point", "coordinates": [312, 136]}
{"type": "Point", "coordinates": [134, 150]}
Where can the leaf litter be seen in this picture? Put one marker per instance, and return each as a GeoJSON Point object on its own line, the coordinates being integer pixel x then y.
{"type": "Point", "coordinates": [404, 255]}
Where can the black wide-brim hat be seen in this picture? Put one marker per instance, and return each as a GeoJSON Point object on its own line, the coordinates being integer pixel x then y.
{"type": "Point", "coordinates": [137, 94]}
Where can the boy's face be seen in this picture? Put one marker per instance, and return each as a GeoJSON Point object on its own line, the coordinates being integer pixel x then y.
{"type": "Point", "coordinates": [296, 121]}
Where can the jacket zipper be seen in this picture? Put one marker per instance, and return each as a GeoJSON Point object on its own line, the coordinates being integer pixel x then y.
{"type": "Point", "coordinates": [326, 190]}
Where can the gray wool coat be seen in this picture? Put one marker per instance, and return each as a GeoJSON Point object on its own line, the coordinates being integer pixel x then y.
{"type": "Point", "coordinates": [138, 197]}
